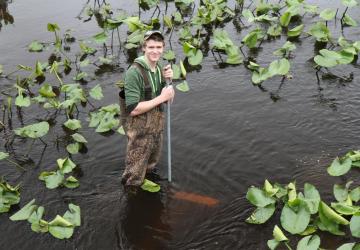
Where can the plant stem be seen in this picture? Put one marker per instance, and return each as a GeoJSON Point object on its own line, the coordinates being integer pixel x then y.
{"type": "Point", "coordinates": [287, 245]}
{"type": "Point", "coordinates": [16, 164]}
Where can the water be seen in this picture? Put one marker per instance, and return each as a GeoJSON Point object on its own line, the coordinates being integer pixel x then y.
{"type": "Point", "coordinates": [226, 136]}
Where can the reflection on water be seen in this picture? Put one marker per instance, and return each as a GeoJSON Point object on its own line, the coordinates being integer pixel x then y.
{"type": "Point", "coordinates": [5, 16]}
{"type": "Point", "coordinates": [143, 225]}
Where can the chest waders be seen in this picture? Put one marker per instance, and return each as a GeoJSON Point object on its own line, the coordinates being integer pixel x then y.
{"type": "Point", "coordinates": [144, 136]}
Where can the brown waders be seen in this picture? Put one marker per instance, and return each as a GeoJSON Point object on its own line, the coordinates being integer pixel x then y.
{"type": "Point", "coordinates": [144, 140]}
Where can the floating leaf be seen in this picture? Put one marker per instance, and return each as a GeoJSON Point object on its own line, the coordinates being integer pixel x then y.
{"type": "Point", "coordinates": [3, 155]}
{"type": "Point", "coordinates": [73, 215]}
{"type": "Point", "coordinates": [274, 30]}
{"type": "Point", "coordinates": [73, 148]}
{"type": "Point", "coordinates": [349, 3]}
{"type": "Point", "coordinates": [261, 214]}
{"type": "Point", "coordinates": [279, 67]}
{"type": "Point", "coordinates": [269, 189]}
{"type": "Point", "coordinates": [101, 37]}
{"type": "Point", "coordinates": [96, 92]}
{"type": "Point", "coordinates": [345, 209]}
{"type": "Point", "coordinates": [150, 186]}
{"type": "Point", "coordinates": [121, 130]}
{"type": "Point", "coordinates": [296, 31]}
{"type": "Point", "coordinates": [168, 22]}
{"type": "Point", "coordinates": [196, 59]}
{"type": "Point", "coordinates": [338, 168]}
{"type": "Point", "coordinates": [311, 242]}
{"type": "Point", "coordinates": [285, 19]}
{"type": "Point", "coordinates": [34, 131]}
{"type": "Point", "coordinates": [320, 32]}
{"type": "Point", "coordinates": [79, 138]}
{"type": "Point", "coordinates": [273, 244]}
{"type": "Point", "coordinates": [80, 76]}
{"type": "Point", "coordinates": [72, 124]}
{"type": "Point", "coordinates": [349, 21]}
{"type": "Point", "coordinates": [332, 215]}
{"type": "Point", "coordinates": [340, 192]}
{"type": "Point", "coordinates": [355, 226]}
{"type": "Point", "coordinates": [35, 46]}
{"type": "Point", "coordinates": [22, 101]}
{"type": "Point", "coordinates": [347, 246]}
{"type": "Point", "coordinates": [47, 91]}
{"type": "Point", "coordinates": [328, 14]}
{"type": "Point", "coordinates": [52, 179]}
{"type": "Point", "coordinates": [25, 212]}
{"type": "Point", "coordinates": [258, 197]}
{"type": "Point", "coordinates": [182, 69]}
{"type": "Point", "coordinates": [355, 194]}
{"type": "Point", "coordinates": [71, 182]}
{"type": "Point", "coordinates": [84, 63]}
{"type": "Point", "coordinates": [65, 165]}
{"type": "Point", "coordinates": [279, 235]}
{"type": "Point", "coordinates": [295, 222]}
{"type": "Point", "coordinates": [169, 55]}
{"type": "Point", "coordinates": [52, 27]}
{"type": "Point", "coordinates": [61, 228]}
{"type": "Point", "coordinates": [312, 198]}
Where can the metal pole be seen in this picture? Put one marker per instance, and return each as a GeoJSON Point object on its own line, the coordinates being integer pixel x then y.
{"type": "Point", "coordinates": [168, 83]}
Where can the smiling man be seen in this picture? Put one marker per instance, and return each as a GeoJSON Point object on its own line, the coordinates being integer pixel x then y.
{"type": "Point", "coordinates": [145, 92]}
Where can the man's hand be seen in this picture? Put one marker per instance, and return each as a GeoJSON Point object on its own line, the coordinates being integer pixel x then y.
{"type": "Point", "coordinates": [167, 94]}
{"type": "Point", "coordinates": [168, 72]}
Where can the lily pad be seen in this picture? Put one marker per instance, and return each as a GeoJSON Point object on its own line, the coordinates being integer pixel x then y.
{"type": "Point", "coordinates": [261, 214]}
{"type": "Point", "coordinates": [34, 131]}
{"type": "Point", "coordinates": [96, 92]}
{"type": "Point", "coordinates": [183, 87]}
{"type": "Point", "coordinates": [311, 242]}
{"type": "Point", "coordinates": [25, 212]}
{"type": "Point", "coordinates": [338, 168]}
{"type": "Point", "coordinates": [72, 124]}
{"type": "Point", "coordinates": [150, 186]}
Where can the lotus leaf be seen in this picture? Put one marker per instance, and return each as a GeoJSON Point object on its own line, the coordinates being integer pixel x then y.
{"type": "Point", "coordinates": [79, 138]}
{"type": "Point", "coordinates": [169, 55]}
{"type": "Point", "coordinates": [47, 91]}
{"type": "Point", "coordinates": [345, 209]}
{"type": "Point", "coordinates": [73, 215]}
{"type": "Point", "coordinates": [355, 194]}
{"type": "Point", "coordinates": [35, 46]}
{"type": "Point", "coordinates": [320, 32]}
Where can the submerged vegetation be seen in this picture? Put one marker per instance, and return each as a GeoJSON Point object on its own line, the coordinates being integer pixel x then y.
{"type": "Point", "coordinates": [59, 87]}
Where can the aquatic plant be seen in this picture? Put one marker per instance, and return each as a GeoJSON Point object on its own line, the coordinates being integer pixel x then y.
{"type": "Point", "coordinates": [61, 227]}
{"type": "Point", "coordinates": [303, 213]}
{"type": "Point", "coordinates": [9, 195]}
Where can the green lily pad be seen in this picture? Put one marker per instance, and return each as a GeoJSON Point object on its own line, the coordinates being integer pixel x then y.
{"type": "Point", "coordinates": [73, 215]}
{"type": "Point", "coordinates": [279, 235]}
{"type": "Point", "coordinates": [35, 46]}
{"type": "Point", "coordinates": [65, 165]}
{"type": "Point", "coordinates": [25, 212]}
{"type": "Point", "coordinates": [295, 222]}
{"type": "Point", "coordinates": [258, 197]}
{"type": "Point", "coordinates": [73, 148]}
{"type": "Point", "coordinates": [34, 131]}
{"type": "Point", "coordinates": [96, 92]}
{"type": "Point", "coordinates": [121, 130]}
{"type": "Point", "coordinates": [22, 101]}
{"type": "Point", "coordinates": [79, 138]}
{"type": "Point", "coordinates": [71, 182]}
{"type": "Point", "coordinates": [61, 228]}
{"type": "Point", "coordinates": [72, 124]}
{"type": "Point", "coordinates": [47, 91]}
{"type": "Point", "coordinates": [311, 242]}
{"type": "Point", "coordinates": [183, 87]}
{"type": "Point", "coordinates": [328, 14]}
{"type": "Point", "coordinates": [338, 168]}
{"type": "Point", "coordinates": [101, 37]}
{"type": "Point", "coordinates": [52, 179]}
{"type": "Point", "coordinates": [349, 21]}
{"type": "Point", "coordinates": [261, 214]}
{"type": "Point", "coordinates": [296, 31]}
{"type": "Point", "coordinates": [3, 155]}
{"type": "Point", "coordinates": [150, 186]}
{"type": "Point", "coordinates": [355, 226]}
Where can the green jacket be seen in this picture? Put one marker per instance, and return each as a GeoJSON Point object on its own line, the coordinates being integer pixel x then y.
{"type": "Point", "coordinates": [134, 83]}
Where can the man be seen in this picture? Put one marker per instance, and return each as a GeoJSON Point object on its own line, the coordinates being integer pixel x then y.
{"type": "Point", "coordinates": [145, 92]}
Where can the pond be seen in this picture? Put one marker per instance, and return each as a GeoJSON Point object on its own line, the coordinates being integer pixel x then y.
{"type": "Point", "coordinates": [227, 134]}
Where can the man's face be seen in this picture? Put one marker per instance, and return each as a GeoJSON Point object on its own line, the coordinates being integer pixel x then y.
{"type": "Point", "coordinates": [153, 50]}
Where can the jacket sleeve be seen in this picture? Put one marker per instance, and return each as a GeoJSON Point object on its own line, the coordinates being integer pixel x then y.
{"type": "Point", "coordinates": [133, 88]}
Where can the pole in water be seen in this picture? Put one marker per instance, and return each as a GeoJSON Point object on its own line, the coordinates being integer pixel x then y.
{"type": "Point", "coordinates": [168, 83]}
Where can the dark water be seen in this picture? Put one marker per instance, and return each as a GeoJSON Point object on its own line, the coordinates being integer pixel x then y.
{"type": "Point", "coordinates": [226, 135]}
